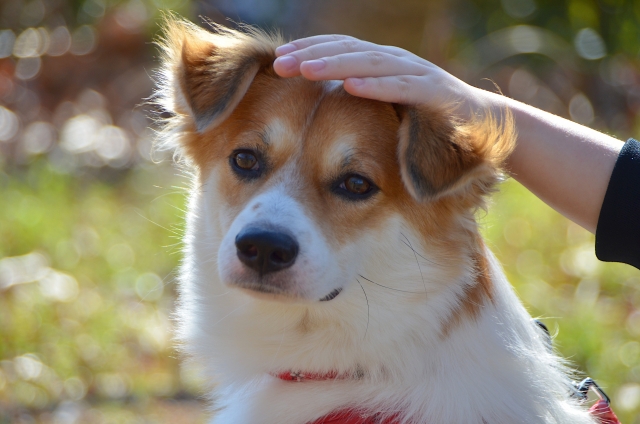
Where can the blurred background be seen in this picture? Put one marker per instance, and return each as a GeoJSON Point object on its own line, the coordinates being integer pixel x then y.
{"type": "Point", "coordinates": [90, 219]}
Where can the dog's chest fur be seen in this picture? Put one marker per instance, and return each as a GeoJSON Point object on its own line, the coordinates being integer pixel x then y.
{"type": "Point", "coordinates": [335, 235]}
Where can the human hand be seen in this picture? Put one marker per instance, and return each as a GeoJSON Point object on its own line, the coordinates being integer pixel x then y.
{"type": "Point", "coordinates": [377, 72]}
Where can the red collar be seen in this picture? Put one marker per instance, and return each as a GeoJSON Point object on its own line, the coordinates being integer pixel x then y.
{"type": "Point", "coordinates": [350, 416]}
{"type": "Point", "coordinates": [600, 409]}
{"type": "Point", "coordinates": [299, 376]}
{"type": "Point", "coordinates": [344, 416]}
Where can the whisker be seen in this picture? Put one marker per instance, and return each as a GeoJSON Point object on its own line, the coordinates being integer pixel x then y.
{"type": "Point", "coordinates": [415, 254]}
{"type": "Point", "coordinates": [168, 193]}
{"type": "Point", "coordinates": [183, 211]}
{"type": "Point", "coordinates": [406, 243]}
{"type": "Point", "coordinates": [155, 223]}
{"type": "Point", "coordinates": [390, 288]}
{"type": "Point", "coordinates": [367, 299]}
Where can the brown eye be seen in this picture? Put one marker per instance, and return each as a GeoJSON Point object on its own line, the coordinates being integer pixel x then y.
{"type": "Point", "coordinates": [246, 161]}
{"type": "Point", "coordinates": [354, 187]}
{"type": "Point", "coordinates": [357, 185]}
{"type": "Point", "coordinates": [247, 164]}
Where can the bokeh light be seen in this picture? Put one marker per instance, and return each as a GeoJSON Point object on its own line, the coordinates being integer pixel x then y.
{"type": "Point", "coordinates": [590, 44]}
{"type": "Point", "coordinates": [9, 124]}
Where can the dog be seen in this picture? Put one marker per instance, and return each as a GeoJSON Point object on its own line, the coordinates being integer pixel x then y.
{"type": "Point", "coordinates": [333, 269]}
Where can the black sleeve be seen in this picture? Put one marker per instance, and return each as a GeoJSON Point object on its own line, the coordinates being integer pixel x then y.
{"type": "Point", "coordinates": [618, 230]}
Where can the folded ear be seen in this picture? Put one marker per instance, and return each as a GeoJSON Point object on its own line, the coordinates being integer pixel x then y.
{"type": "Point", "coordinates": [440, 156]}
{"type": "Point", "coordinates": [206, 74]}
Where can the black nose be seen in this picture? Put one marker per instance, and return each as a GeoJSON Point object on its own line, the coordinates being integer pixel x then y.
{"type": "Point", "coordinates": [266, 250]}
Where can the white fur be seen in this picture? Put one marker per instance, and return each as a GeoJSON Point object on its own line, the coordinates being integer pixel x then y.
{"type": "Point", "coordinates": [494, 369]}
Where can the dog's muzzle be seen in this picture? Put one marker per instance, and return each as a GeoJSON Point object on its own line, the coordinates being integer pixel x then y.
{"type": "Point", "coordinates": [266, 250]}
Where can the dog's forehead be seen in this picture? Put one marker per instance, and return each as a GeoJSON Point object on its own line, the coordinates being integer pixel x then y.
{"type": "Point", "coordinates": [340, 149]}
{"type": "Point", "coordinates": [321, 120]}
{"type": "Point", "coordinates": [349, 131]}
{"type": "Point", "coordinates": [281, 135]}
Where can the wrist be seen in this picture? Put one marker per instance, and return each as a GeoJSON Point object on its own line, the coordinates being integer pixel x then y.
{"type": "Point", "coordinates": [475, 102]}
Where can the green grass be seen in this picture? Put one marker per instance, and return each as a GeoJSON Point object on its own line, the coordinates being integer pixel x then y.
{"type": "Point", "coordinates": [96, 329]}
{"type": "Point", "coordinates": [91, 336]}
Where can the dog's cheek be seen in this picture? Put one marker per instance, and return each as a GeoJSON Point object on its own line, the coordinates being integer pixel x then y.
{"type": "Point", "coordinates": [318, 268]}
{"type": "Point", "coordinates": [216, 211]}
{"type": "Point", "coordinates": [230, 269]}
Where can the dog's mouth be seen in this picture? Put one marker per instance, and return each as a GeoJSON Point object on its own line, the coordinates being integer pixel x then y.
{"type": "Point", "coordinates": [331, 295]}
{"type": "Point", "coordinates": [263, 288]}
{"type": "Point", "coordinates": [271, 291]}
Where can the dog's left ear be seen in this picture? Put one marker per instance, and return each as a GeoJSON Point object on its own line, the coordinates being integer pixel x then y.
{"type": "Point", "coordinates": [207, 73]}
{"type": "Point", "coordinates": [440, 156]}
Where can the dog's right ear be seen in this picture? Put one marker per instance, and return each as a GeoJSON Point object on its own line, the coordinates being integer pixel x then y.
{"type": "Point", "coordinates": [206, 74]}
{"type": "Point", "coordinates": [440, 156]}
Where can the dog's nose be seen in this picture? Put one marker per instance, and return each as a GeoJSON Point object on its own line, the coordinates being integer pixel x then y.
{"type": "Point", "coordinates": [265, 250]}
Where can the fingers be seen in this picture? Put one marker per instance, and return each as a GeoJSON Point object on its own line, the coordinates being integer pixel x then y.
{"type": "Point", "coordinates": [303, 43]}
{"type": "Point", "coordinates": [332, 48]}
{"type": "Point", "coordinates": [328, 46]}
{"type": "Point", "coordinates": [403, 89]}
{"type": "Point", "coordinates": [359, 64]}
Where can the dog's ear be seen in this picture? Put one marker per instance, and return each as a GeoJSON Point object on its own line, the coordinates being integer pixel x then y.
{"type": "Point", "coordinates": [206, 74]}
{"type": "Point", "coordinates": [440, 156]}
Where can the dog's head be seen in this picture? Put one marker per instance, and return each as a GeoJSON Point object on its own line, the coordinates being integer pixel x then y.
{"type": "Point", "coordinates": [304, 190]}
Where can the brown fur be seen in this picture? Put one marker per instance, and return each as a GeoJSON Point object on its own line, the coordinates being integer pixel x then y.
{"type": "Point", "coordinates": [476, 296]}
{"type": "Point", "coordinates": [439, 155]}
{"type": "Point", "coordinates": [429, 168]}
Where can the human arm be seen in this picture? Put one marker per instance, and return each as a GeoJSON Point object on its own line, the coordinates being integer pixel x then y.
{"type": "Point", "coordinates": [565, 164]}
